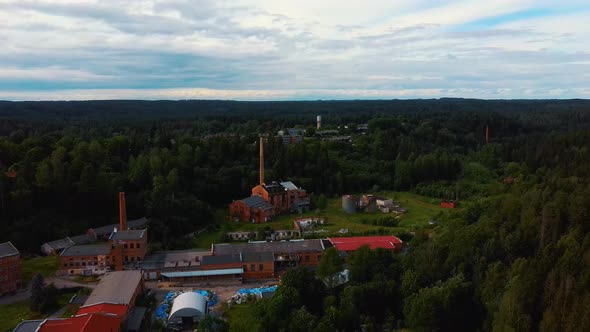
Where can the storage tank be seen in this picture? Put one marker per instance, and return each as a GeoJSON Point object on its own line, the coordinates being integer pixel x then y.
{"type": "Point", "coordinates": [370, 203]}
{"type": "Point", "coordinates": [349, 203]}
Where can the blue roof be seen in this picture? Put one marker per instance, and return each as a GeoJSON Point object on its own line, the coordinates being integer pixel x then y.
{"type": "Point", "coordinates": [203, 273]}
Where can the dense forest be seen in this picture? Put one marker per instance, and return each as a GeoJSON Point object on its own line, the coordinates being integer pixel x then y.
{"type": "Point", "coordinates": [515, 257]}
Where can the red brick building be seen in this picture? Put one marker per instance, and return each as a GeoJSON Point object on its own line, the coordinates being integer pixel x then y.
{"type": "Point", "coordinates": [10, 269]}
{"type": "Point", "coordinates": [252, 209]}
{"type": "Point", "coordinates": [285, 197]}
{"type": "Point", "coordinates": [133, 244]}
{"type": "Point", "coordinates": [91, 259]}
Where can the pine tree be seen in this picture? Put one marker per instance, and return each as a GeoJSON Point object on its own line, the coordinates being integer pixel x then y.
{"type": "Point", "coordinates": [38, 293]}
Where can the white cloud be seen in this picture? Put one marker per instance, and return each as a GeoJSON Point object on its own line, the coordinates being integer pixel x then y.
{"type": "Point", "coordinates": [274, 49]}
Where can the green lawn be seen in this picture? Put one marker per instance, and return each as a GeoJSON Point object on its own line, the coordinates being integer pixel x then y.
{"type": "Point", "coordinates": [12, 314]}
{"type": "Point", "coordinates": [420, 210]}
{"type": "Point", "coordinates": [241, 318]}
{"type": "Point", "coordinates": [47, 266]}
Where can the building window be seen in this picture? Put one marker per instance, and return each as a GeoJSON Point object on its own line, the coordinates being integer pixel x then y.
{"type": "Point", "coordinates": [252, 267]}
{"type": "Point", "coordinates": [260, 267]}
{"type": "Point", "coordinates": [307, 258]}
{"type": "Point", "coordinates": [125, 246]}
{"type": "Point", "coordinates": [66, 265]}
{"type": "Point", "coordinates": [245, 268]}
{"type": "Point", "coordinates": [126, 258]}
{"type": "Point", "coordinates": [137, 245]}
{"type": "Point", "coordinates": [132, 258]}
{"type": "Point", "coordinates": [138, 259]}
{"type": "Point", "coordinates": [77, 263]}
{"type": "Point", "coordinates": [131, 245]}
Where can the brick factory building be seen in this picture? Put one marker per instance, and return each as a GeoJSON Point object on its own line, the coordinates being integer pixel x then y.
{"type": "Point", "coordinates": [281, 198]}
{"type": "Point", "coordinates": [10, 269]}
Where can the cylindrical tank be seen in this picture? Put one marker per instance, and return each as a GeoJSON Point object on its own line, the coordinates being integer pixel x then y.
{"type": "Point", "coordinates": [319, 121]}
{"type": "Point", "coordinates": [349, 203]}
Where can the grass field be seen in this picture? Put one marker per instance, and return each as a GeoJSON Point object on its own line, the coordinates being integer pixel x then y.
{"type": "Point", "coordinates": [420, 210]}
{"type": "Point", "coordinates": [47, 266]}
{"type": "Point", "coordinates": [12, 314]}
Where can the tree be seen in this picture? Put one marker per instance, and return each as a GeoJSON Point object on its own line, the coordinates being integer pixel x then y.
{"type": "Point", "coordinates": [330, 266]}
{"type": "Point", "coordinates": [213, 324]}
{"type": "Point", "coordinates": [38, 294]}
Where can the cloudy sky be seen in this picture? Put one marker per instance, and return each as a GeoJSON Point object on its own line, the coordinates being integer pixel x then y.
{"type": "Point", "coordinates": [292, 50]}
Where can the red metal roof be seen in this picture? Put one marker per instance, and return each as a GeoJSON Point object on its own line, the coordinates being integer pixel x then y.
{"type": "Point", "coordinates": [84, 323]}
{"type": "Point", "coordinates": [374, 242]}
{"type": "Point", "coordinates": [110, 308]}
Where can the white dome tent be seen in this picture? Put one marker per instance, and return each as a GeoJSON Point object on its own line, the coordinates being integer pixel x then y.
{"type": "Point", "coordinates": [188, 308]}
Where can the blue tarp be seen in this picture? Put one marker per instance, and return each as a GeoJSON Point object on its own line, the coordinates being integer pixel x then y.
{"type": "Point", "coordinates": [257, 291]}
{"type": "Point", "coordinates": [161, 311]}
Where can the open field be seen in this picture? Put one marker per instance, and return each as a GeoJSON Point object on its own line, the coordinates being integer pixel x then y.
{"type": "Point", "coordinates": [12, 314]}
{"type": "Point", "coordinates": [420, 210]}
{"type": "Point", "coordinates": [46, 265]}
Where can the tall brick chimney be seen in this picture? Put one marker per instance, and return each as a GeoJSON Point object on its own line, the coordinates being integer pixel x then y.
{"type": "Point", "coordinates": [122, 212]}
{"type": "Point", "coordinates": [261, 175]}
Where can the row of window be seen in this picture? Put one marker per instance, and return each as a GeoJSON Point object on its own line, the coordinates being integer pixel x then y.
{"type": "Point", "coordinates": [131, 245]}
{"type": "Point", "coordinates": [82, 264]}
{"type": "Point", "coordinates": [253, 267]}
{"type": "Point", "coordinates": [127, 259]}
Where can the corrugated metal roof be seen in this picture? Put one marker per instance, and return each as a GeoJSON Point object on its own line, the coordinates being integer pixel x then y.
{"type": "Point", "coordinates": [289, 185]}
{"type": "Point", "coordinates": [116, 287]}
{"type": "Point", "coordinates": [293, 246]}
{"type": "Point", "coordinates": [374, 242]}
{"type": "Point", "coordinates": [203, 273]}
{"type": "Point", "coordinates": [222, 259]}
{"type": "Point", "coordinates": [257, 202]}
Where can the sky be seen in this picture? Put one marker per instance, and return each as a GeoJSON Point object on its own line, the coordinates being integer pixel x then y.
{"type": "Point", "coordinates": [293, 50]}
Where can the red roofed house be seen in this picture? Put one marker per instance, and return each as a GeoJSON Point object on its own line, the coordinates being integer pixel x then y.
{"type": "Point", "coordinates": [110, 308]}
{"type": "Point", "coordinates": [349, 244]}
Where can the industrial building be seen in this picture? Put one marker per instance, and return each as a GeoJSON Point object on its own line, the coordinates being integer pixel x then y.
{"type": "Point", "coordinates": [291, 135]}
{"type": "Point", "coordinates": [124, 247]}
{"type": "Point", "coordinates": [10, 268]}
{"type": "Point", "coordinates": [268, 200]}
{"type": "Point", "coordinates": [110, 308]}
{"type": "Point", "coordinates": [187, 309]}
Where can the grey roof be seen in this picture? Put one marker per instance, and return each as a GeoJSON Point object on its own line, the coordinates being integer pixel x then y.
{"type": "Point", "coordinates": [257, 202]}
{"type": "Point", "coordinates": [274, 188]}
{"type": "Point", "coordinates": [131, 234]}
{"type": "Point", "coordinates": [61, 243]}
{"type": "Point", "coordinates": [87, 250]}
{"type": "Point", "coordinates": [131, 224]}
{"type": "Point", "coordinates": [7, 249]}
{"type": "Point", "coordinates": [135, 318]}
{"type": "Point", "coordinates": [292, 246]}
{"type": "Point", "coordinates": [255, 257]}
{"type": "Point", "coordinates": [289, 185]}
{"type": "Point", "coordinates": [78, 299]}
{"type": "Point", "coordinates": [327, 244]}
{"type": "Point", "coordinates": [222, 259]}
{"type": "Point", "coordinates": [28, 325]}
{"type": "Point", "coordinates": [159, 259]}
{"type": "Point", "coordinates": [115, 287]}
{"type": "Point", "coordinates": [82, 239]}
